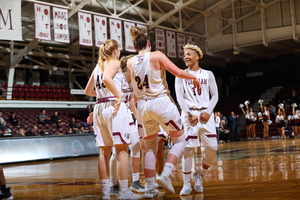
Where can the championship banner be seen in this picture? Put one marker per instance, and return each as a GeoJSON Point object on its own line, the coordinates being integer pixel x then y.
{"type": "Point", "coordinates": [190, 39]}
{"type": "Point", "coordinates": [160, 40]}
{"type": "Point", "coordinates": [116, 31]}
{"type": "Point", "coordinates": [42, 22]}
{"type": "Point", "coordinates": [171, 44]}
{"type": "Point", "coordinates": [85, 29]}
{"type": "Point", "coordinates": [61, 25]}
{"type": "Point", "coordinates": [10, 20]}
{"type": "Point", "coordinates": [181, 43]}
{"type": "Point", "coordinates": [100, 25]}
{"type": "Point", "coordinates": [128, 44]}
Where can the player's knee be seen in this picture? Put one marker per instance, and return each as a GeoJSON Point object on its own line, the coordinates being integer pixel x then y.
{"type": "Point", "coordinates": [188, 152]}
{"type": "Point", "coordinates": [179, 144]}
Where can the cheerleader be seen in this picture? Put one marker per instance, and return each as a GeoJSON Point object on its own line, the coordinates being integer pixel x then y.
{"type": "Point", "coordinates": [247, 122]}
{"type": "Point", "coordinates": [253, 118]}
{"type": "Point", "coordinates": [265, 118]}
{"type": "Point", "coordinates": [295, 122]}
{"type": "Point", "coordinates": [280, 122]}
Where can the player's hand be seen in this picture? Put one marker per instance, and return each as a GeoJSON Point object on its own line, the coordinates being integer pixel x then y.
{"type": "Point", "coordinates": [197, 85]}
{"type": "Point", "coordinates": [204, 117]}
{"type": "Point", "coordinates": [89, 120]}
{"type": "Point", "coordinates": [193, 120]}
{"type": "Point", "coordinates": [117, 105]}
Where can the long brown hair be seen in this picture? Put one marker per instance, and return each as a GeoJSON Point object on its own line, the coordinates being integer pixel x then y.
{"type": "Point", "coordinates": [139, 37]}
{"type": "Point", "coordinates": [105, 52]}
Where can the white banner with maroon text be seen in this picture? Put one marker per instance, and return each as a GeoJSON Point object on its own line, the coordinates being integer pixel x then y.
{"type": "Point", "coordinates": [190, 39]}
{"type": "Point", "coordinates": [100, 25]}
{"type": "Point", "coordinates": [128, 44]}
{"type": "Point", "coordinates": [61, 25]}
{"type": "Point", "coordinates": [42, 22]}
{"type": "Point", "coordinates": [85, 29]}
{"type": "Point", "coordinates": [10, 20]}
{"type": "Point", "coordinates": [160, 40]}
{"type": "Point", "coordinates": [171, 44]}
{"type": "Point", "coordinates": [181, 43]}
{"type": "Point", "coordinates": [116, 31]}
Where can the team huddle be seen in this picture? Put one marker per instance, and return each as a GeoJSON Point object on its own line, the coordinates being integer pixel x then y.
{"type": "Point", "coordinates": [137, 84]}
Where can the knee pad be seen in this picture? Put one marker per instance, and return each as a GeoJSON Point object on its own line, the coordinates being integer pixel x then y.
{"type": "Point", "coordinates": [209, 155]}
{"type": "Point", "coordinates": [150, 160]}
{"type": "Point", "coordinates": [179, 144]}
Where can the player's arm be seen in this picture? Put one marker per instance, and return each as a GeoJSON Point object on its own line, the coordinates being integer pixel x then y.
{"type": "Point", "coordinates": [89, 88]}
{"type": "Point", "coordinates": [213, 89]}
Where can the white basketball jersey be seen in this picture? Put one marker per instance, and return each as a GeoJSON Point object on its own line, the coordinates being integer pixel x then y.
{"type": "Point", "coordinates": [192, 97]}
{"type": "Point", "coordinates": [100, 88]}
{"type": "Point", "coordinates": [147, 82]}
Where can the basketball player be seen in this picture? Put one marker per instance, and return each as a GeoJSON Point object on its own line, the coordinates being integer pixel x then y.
{"type": "Point", "coordinates": [197, 117]}
{"type": "Point", "coordinates": [110, 118]}
{"type": "Point", "coordinates": [5, 191]}
{"type": "Point", "coordinates": [148, 78]}
{"type": "Point", "coordinates": [134, 146]}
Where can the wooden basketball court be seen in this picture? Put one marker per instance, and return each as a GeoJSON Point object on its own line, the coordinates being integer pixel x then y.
{"type": "Point", "coordinates": [261, 169]}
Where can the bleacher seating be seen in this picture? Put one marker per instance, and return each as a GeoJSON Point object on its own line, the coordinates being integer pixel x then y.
{"type": "Point", "coordinates": [35, 92]}
{"type": "Point", "coordinates": [29, 117]}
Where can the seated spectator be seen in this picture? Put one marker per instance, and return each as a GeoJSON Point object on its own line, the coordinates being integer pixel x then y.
{"type": "Point", "coordinates": [224, 132]}
{"type": "Point", "coordinates": [13, 119]}
{"type": "Point", "coordinates": [32, 132]}
{"type": "Point", "coordinates": [43, 119]}
{"type": "Point", "coordinates": [75, 126]}
{"type": "Point", "coordinates": [55, 119]}
{"type": "Point", "coordinates": [2, 122]}
{"type": "Point", "coordinates": [81, 130]}
{"type": "Point", "coordinates": [20, 133]}
{"type": "Point", "coordinates": [70, 131]}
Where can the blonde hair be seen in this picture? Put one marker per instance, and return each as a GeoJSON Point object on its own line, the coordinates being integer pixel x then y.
{"type": "Point", "coordinates": [123, 61]}
{"type": "Point", "coordinates": [195, 48]}
{"type": "Point", "coordinates": [105, 52]}
{"type": "Point", "coordinates": [139, 37]}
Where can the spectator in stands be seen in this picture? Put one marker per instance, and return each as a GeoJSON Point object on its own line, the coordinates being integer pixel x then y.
{"type": "Point", "coordinates": [5, 191]}
{"type": "Point", "coordinates": [2, 122]}
{"type": "Point", "coordinates": [55, 119]}
{"type": "Point", "coordinates": [13, 119]}
{"type": "Point", "coordinates": [233, 123]}
{"type": "Point", "coordinates": [32, 132]}
{"type": "Point", "coordinates": [223, 117]}
{"type": "Point", "coordinates": [20, 133]}
{"type": "Point", "coordinates": [81, 130]}
{"type": "Point", "coordinates": [75, 126]}
{"type": "Point", "coordinates": [43, 119]}
{"type": "Point", "coordinates": [70, 131]}
{"type": "Point", "coordinates": [295, 97]}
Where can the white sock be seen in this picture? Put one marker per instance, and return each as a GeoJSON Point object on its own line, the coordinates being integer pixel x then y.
{"type": "Point", "coordinates": [135, 176]}
{"type": "Point", "coordinates": [187, 177]}
{"type": "Point", "coordinates": [123, 185]}
{"type": "Point", "coordinates": [168, 169]}
{"type": "Point", "coordinates": [105, 185]}
{"type": "Point", "coordinates": [149, 183]}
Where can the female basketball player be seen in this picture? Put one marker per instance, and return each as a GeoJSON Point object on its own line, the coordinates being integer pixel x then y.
{"type": "Point", "coordinates": [111, 122]}
{"type": "Point", "coordinates": [148, 78]}
{"type": "Point", "coordinates": [197, 106]}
